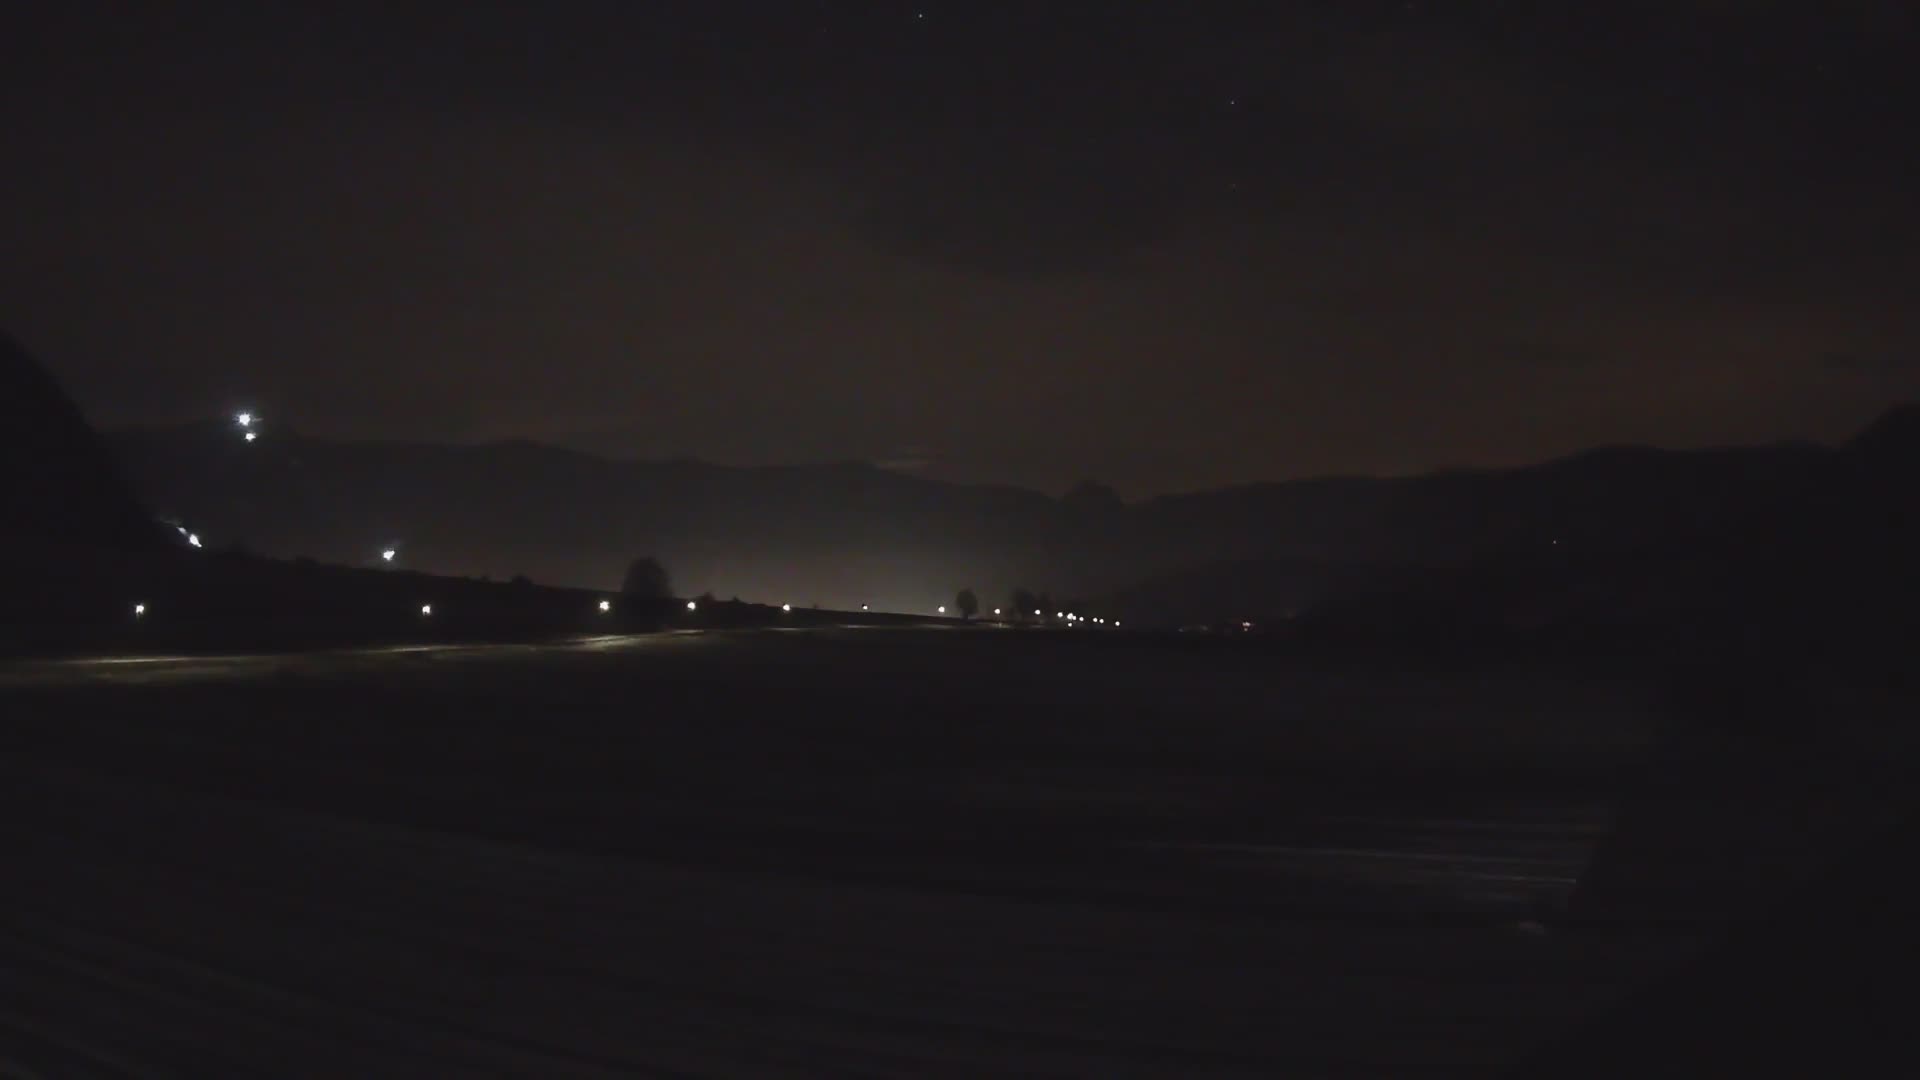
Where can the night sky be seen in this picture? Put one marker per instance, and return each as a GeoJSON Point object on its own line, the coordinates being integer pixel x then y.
{"type": "Point", "coordinates": [1166, 245]}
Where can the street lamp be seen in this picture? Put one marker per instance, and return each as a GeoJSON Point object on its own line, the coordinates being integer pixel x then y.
{"type": "Point", "coordinates": [691, 606]}
{"type": "Point", "coordinates": [426, 610]}
{"type": "Point", "coordinates": [252, 435]}
{"type": "Point", "coordinates": [387, 555]}
{"type": "Point", "coordinates": [606, 605]}
{"type": "Point", "coordinates": [139, 610]}
{"type": "Point", "coordinates": [786, 607]}
{"type": "Point", "coordinates": [194, 539]}
{"type": "Point", "coordinates": [942, 609]}
{"type": "Point", "coordinates": [244, 419]}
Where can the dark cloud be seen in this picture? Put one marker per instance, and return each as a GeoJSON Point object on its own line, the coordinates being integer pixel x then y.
{"type": "Point", "coordinates": [1855, 363]}
{"type": "Point", "coordinates": [1163, 245]}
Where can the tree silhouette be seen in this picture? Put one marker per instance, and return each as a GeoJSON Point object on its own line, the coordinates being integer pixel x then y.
{"type": "Point", "coordinates": [968, 604]}
{"type": "Point", "coordinates": [1025, 604]}
{"type": "Point", "coordinates": [646, 579]}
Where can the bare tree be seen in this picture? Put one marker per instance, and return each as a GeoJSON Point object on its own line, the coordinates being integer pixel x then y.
{"type": "Point", "coordinates": [968, 604]}
{"type": "Point", "coordinates": [646, 579]}
{"type": "Point", "coordinates": [1025, 605]}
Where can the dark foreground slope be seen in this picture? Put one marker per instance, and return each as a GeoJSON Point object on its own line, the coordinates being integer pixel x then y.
{"type": "Point", "coordinates": [1816, 983]}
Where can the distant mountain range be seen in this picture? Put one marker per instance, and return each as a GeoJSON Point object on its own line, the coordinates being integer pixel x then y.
{"type": "Point", "coordinates": [848, 534]}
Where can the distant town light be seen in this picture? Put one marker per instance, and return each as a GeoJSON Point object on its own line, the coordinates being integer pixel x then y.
{"type": "Point", "coordinates": [606, 605]}
{"type": "Point", "coordinates": [139, 610]}
{"type": "Point", "coordinates": [996, 611]}
{"type": "Point", "coordinates": [244, 419]}
{"type": "Point", "coordinates": [1116, 624]}
{"type": "Point", "coordinates": [786, 607]}
{"type": "Point", "coordinates": [691, 606]}
{"type": "Point", "coordinates": [388, 555]}
{"type": "Point", "coordinates": [252, 435]}
{"type": "Point", "coordinates": [942, 609]}
{"type": "Point", "coordinates": [864, 607]}
{"type": "Point", "coordinates": [1036, 613]}
{"type": "Point", "coordinates": [1059, 614]}
{"type": "Point", "coordinates": [426, 609]}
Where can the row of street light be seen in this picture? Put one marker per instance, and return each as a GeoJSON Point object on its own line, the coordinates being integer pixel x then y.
{"type": "Point", "coordinates": [605, 606]}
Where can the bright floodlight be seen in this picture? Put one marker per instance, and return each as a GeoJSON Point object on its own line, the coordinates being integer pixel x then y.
{"type": "Point", "coordinates": [691, 606]}
{"type": "Point", "coordinates": [606, 605]}
{"type": "Point", "coordinates": [426, 609]}
{"type": "Point", "coordinates": [194, 539]}
{"type": "Point", "coordinates": [388, 555]}
{"type": "Point", "coordinates": [244, 419]}
{"type": "Point", "coordinates": [786, 607]}
{"type": "Point", "coordinates": [252, 435]}
{"type": "Point", "coordinates": [139, 610]}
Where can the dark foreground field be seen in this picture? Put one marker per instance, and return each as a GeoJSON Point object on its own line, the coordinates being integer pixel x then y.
{"type": "Point", "coordinates": [847, 853]}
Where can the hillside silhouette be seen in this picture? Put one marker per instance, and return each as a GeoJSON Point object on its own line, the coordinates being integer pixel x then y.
{"type": "Point", "coordinates": [1601, 532]}
{"type": "Point", "coordinates": [60, 487]}
{"type": "Point", "coordinates": [90, 566]}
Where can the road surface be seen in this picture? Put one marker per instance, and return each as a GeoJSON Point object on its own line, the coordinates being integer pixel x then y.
{"type": "Point", "coordinates": [845, 853]}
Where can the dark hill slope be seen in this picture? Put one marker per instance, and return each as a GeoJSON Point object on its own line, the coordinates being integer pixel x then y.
{"type": "Point", "coordinates": [58, 483]}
